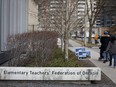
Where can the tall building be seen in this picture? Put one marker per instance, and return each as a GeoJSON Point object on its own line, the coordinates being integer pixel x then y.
{"type": "Point", "coordinates": [56, 7]}
{"type": "Point", "coordinates": [81, 9]}
{"type": "Point", "coordinates": [85, 8]}
{"type": "Point", "coordinates": [48, 14]}
{"type": "Point", "coordinates": [51, 13]}
{"type": "Point", "coordinates": [108, 14]}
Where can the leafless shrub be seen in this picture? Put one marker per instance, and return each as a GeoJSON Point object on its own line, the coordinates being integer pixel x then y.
{"type": "Point", "coordinates": [36, 46]}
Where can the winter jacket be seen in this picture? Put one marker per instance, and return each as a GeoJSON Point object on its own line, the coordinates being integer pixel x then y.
{"type": "Point", "coordinates": [96, 37]}
{"type": "Point", "coordinates": [112, 48]}
{"type": "Point", "coordinates": [104, 42]}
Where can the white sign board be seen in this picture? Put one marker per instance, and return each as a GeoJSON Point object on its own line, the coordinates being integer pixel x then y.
{"type": "Point", "coordinates": [50, 73]}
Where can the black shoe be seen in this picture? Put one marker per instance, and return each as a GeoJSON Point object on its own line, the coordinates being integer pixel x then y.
{"type": "Point", "coordinates": [110, 64]}
{"type": "Point", "coordinates": [104, 61]}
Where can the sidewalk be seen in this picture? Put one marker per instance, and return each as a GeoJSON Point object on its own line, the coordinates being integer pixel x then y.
{"type": "Point", "coordinates": [106, 69]}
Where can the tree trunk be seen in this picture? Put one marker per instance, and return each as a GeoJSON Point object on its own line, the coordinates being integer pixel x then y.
{"type": "Point", "coordinates": [66, 31]}
{"type": "Point", "coordinates": [85, 39]}
{"type": "Point", "coordinates": [62, 44]}
{"type": "Point", "coordinates": [90, 35]}
{"type": "Point", "coordinates": [66, 46]}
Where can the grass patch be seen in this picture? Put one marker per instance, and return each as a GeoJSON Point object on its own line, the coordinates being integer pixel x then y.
{"type": "Point", "coordinates": [59, 61]}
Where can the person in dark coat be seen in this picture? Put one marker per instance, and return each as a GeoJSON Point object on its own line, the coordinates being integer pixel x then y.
{"type": "Point", "coordinates": [105, 38]}
{"type": "Point", "coordinates": [112, 50]}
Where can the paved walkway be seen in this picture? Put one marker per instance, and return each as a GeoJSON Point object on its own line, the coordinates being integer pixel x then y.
{"type": "Point", "coordinates": [106, 69]}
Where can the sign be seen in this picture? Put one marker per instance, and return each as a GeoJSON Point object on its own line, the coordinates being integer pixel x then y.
{"type": "Point", "coordinates": [88, 53]}
{"type": "Point", "coordinates": [82, 53]}
{"type": "Point", "coordinates": [50, 73]}
{"type": "Point", "coordinates": [79, 49]}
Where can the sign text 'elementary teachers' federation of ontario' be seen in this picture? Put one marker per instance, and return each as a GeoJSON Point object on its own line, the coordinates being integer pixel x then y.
{"type": "Point", "coordinates": [50, 73]}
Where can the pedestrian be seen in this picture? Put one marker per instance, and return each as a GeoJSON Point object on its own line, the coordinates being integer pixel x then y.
{"type": "Point", "coordinates": [104, 39]}
{"type": "Point", "coordinates": [96, 37]}
{"type": "Point", "coordinates": [112, 50]}
{"type": "Point", "coordinates": [101, 51]}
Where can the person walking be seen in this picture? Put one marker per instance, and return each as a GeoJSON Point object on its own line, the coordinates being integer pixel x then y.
{"type": "Point", "coordinates": [105, 38]}
{"type": "Point", "coordinates": [101, 51]}
{"type": "Point", "coordinates": [96, 37]}
{"type": "Point", "coordinates": [112, 50]}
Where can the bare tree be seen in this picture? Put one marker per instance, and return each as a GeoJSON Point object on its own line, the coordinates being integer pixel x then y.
{"type": "Point", "coordinates": [65, 15]}
{"type": "Point", "coordinates": [92, 13]}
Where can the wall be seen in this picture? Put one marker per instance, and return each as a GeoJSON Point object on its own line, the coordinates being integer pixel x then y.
{"type": "Point", "coordinates": [33, 15]}
{"type": "Point", "coordinates": [14, 19]}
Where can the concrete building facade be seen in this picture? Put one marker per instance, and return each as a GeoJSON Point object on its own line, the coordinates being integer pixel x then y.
{"type": "Point", "coordinates": [108, 14]}
{"type": "Point", "coordinates": [32, 16]}
{"type": "Point", "coordinates": [16, 17]}
{"type": "Point", "coordinates": [13, 19]}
